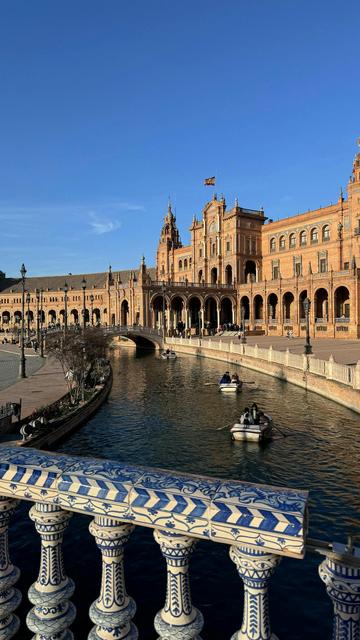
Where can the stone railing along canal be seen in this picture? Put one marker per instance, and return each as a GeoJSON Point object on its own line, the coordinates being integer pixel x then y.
{"type": "Point", "coordinates": [260, 524]}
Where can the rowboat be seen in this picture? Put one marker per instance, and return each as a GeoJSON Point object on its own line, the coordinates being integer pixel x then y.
{"type": "Point", "coordinates": [168, 355]}
{"type": "Point", "coordinates": [230, 387]}
{"type": "Point", "coordinates": [253, 432]}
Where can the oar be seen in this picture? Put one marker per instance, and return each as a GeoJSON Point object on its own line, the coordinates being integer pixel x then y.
{"type": "Point", "coordinates": [224, 427]}
{"type": "Point", "coordinates": [248, 381]}
{"type": "Point", "coordinates": [285, 435]}
{"type": "Point", "coordinates": [206, 384]}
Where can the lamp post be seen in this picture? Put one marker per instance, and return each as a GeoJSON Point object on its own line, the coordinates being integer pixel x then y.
{"type": "Point", "coordinates": [92, 308]}
{"type": "Point", "coordinates": [83, 286]}
{"type": "Point", "coordinates": [41, 325]}
{"type": "Point", "coordinates": [37, 293]}
{"type": "Point", "coordinates": [65, 290]}
{"type": "Point", "coordinates": [243, 337]}
{"type": "Point", "coordinates": [163, 310]}
{"type": "Point", "coordinates": [22, 358]}
{"type": "Point", "coordinates": [308, 347]}
{"type": "Point", "coordinates": [28, 315]}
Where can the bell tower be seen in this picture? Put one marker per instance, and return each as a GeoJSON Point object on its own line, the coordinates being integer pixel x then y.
{"type": "Point", "coordinates": [354, 193]}
{"type": "Point", "coordinates": [169, 241]}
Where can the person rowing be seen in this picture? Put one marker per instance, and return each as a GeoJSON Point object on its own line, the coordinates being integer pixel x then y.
{"type": "Point", "coordinates": [226, 378]}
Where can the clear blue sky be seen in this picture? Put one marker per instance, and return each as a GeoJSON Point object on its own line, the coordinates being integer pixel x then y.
{"type": "Point", "coordinates": [109, 107]}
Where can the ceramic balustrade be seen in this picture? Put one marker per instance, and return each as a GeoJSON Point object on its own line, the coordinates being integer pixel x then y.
{"type": "Point", "coordinates": [260, 524]}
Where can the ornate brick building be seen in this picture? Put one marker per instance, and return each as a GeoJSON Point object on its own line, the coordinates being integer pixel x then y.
{"type": "Point", "coordinates": [238, 266]}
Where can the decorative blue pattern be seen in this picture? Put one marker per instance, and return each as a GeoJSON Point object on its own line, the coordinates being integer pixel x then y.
{"type": "Point", "coordinates": [225, 511]}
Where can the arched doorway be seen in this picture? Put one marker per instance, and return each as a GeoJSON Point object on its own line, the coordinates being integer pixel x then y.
{"type": "Point", "coordinates": [200, 278]}
{"type": "Point", "coordinates": [124, 313]}
{"type": "Point", "coordinates": [244, 309]}
{"type": "Point", "coordinates": [194, 314]}
{"type": "Point", "coordinates": [288, 306]}
{"type": "Point", "coordinates": [226, 311]}
{"type": "Point", "coordinates": [17, 317]}
{"type": "Point", "coordinates": [321, 303]}
{"type": "Point", "coordinates": [213, 275]}
{"type": "Point", "coordinates": [228, 274]}
{"type": "Point", "coordinates": [210, 315]}
{"type": "Point", "coordinates": [272, 306]}
{"type": "Point", "coordinates": [177, 320]}
{"type": "Point", "coordinates": [74, 314]}
{"type": "Point", "coordinates": [5, 317]}
{"type": "Point", "coordinates": [96, 316]}
{"type": "Point", "coordinates": [258, 308]}
{"type": "Point", "coordinates": [342, 303]}
{"type": "Point", "coordinates": [52, 316]}
{"type": "Point", "coordinates": [302, 297]}
{"type": "Point", "coordinates": [159, 306]}
{"type": "Point", "coordinates": [250, 271]}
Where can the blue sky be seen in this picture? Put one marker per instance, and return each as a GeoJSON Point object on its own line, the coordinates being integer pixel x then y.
{"type": "Point", "coordinates": [107, 108]}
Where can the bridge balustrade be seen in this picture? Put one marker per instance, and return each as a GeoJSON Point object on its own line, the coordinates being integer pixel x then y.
{"type": "Point", "coordinates": [260, 524]}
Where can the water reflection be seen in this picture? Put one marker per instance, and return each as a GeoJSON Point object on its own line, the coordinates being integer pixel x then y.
{"type": "Point", "coordinates": [161, 413]}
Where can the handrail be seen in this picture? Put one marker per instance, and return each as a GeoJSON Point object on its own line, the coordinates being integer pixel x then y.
{"type": "Point", "coordinates": [260, 524]}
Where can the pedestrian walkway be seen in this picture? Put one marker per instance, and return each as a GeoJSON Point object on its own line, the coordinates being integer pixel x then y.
{"type": "Point", "coordinates": [344, 351]}
{"type": "Point", "coordinates": [41, 388]}
{"type": "Point", "coordinates": [10, 363]}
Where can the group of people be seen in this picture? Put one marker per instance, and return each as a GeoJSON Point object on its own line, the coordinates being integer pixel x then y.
{"type": "Point", "coordinates": [226, 378]}
{"type": "Point", "coordinates": [252, 415]}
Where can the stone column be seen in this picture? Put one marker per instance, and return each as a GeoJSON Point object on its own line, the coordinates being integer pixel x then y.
{"type": "Point", "coordinates": [255, 569]}
{"type": "Point", "coordinates": [10, 598]}
{"type": "Point", "coordinates": [113, 611]}
{"type": "Point", "coordinates": [52, 614]}
{"type": "Point", "coordinates": [202, 320]}
{"type": "Point", "coordinates": [178, 619]}
{"type": "Point", "coordinates": [218, 315]}
{"type": "Point", "coordinates": [343, 586]}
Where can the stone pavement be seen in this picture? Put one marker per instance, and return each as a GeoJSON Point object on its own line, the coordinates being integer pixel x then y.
{"type": "Point", "coordinates": [41, 388]}
{"type": "Point", "coordinates": [10, 363]}
{"type": "Point", "coordinates": [344, 351]}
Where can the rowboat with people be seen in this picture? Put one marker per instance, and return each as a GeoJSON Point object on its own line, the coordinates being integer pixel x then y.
{"type": "Point", "coordinates": [253, 426]}
{"type": "Point", "coordinates": [230, 384]}
{"type": "Point", "coordinates": [168, 354]}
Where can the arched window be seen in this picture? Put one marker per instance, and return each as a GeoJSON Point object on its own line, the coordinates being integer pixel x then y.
{"type": "Point", "coordinates": [180, 265]}
{"type": "Point", "coordinates": [303, 238]}
{"type": "Point", "coordinates": [190, 261]}
{"type": "Point", "coordinates": [314, 235]}
{"type": "Point", "coordinates": [326, 233]}
{"type": "Point", "coordinates": [282, 243]}
{"type": "Point", "coordinates": [272, 245]}
{"type": "Point", "coordinates": [185, 264]}
{"type": "Point", "coordinates": [292, 240]}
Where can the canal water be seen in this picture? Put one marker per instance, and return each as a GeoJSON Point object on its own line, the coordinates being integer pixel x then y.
{"type": "Point", "coordinates": [169, 414]}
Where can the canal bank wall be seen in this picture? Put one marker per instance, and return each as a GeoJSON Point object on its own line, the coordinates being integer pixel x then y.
{"type": "Point", "coordinates": [340, 383]}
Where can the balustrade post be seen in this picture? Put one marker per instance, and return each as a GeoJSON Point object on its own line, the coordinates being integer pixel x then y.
{"type": "Point", "coordinates": [343, 586]}
{"type": "Point", "coordinates": [113, 611]}
{"type": "Point", "coordinates": [178, 620]}
{"type": "Point", "coordinates": [255, 568]}
{"type": "Point", "coordinates": [10, 598]}
{"type": "Point", "coordinates": [52, 613]}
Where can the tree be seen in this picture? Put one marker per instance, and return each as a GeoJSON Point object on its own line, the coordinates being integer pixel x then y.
{"type": "Point", "coordinates": [79, 354]}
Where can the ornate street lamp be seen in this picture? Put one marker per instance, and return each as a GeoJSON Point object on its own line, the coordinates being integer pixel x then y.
{"type": "Point", "coordinates": [22, 346]}
{"type": "Point", "coordinates": [92, 308]}
{"type": "Point", "coordinates": [37, 293]}
{"type": "Point", "coordinates": [41, 325]}
{"type": "Point", "coordinates": [65, 290]}
{"type": "Point", "coordinates": [308, 347]}
{"type": "Point", "coordinates": [83, 286]}
{"type": "Point", "coordinates": [243, 337]}
{"type": "Point", "coordinates": [28, 314]}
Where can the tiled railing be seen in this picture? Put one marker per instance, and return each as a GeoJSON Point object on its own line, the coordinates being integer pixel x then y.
{"type": "Point", "coordinates": [259, 523]}
{"type": "Point", "coordinates": [329, 369]}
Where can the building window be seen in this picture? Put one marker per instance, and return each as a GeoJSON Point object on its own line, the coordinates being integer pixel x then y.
{"type": "Point", "coordinates": [276, 273]}
{"type": "Point", "coordinates": [322, 265]}
{"type": "Point", "coordinates": [326, 233]}
{"type": "Point", "coordinates": [346, 266]}
{"type": "Point", "coordinates": [298, 268]}
{"type": "Point", "coordinates": [272, 245]}
{"type": "Point", "coordinates": [185, 264]}
{"type": "Point", "coordinates": [314, 236]}
{"type": "Point", "coordinates": [303, 239]}
{"type": "Point", "coordinates": [292, 241]}
{"type": "Point", "coordinates": [227, 246]}
{"type": "Point", "coordinates": [282, 243]}
{"type": "Point", "coordinates": [180, 265]}
{"type": "Point", "coordinates": [200, 252]}
{"type": "Point", "coordinates": [213, 249]}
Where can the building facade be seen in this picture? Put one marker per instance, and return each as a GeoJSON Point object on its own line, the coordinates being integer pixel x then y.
{"type": "Point", "coordinates": [240, 267]}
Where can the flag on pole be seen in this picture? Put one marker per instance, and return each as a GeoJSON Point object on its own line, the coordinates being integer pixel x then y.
{"type": "Point", "coordinates": [208, 182]}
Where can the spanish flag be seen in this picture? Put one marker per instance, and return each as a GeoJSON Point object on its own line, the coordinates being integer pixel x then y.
{"type": "Point", "coordinates": [208, 182]}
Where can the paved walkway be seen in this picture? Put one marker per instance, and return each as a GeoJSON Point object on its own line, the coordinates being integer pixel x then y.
{"type": "Point", "coordinates": [10, 363]}
{"type": "Point", "coordinates": [344, 351]}
{"type": "Point", "coordinates": [43, 387]}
